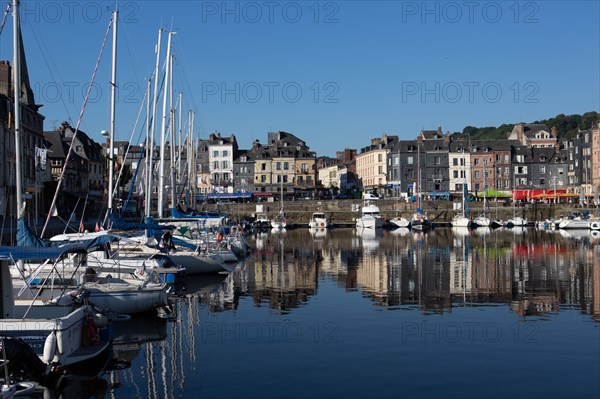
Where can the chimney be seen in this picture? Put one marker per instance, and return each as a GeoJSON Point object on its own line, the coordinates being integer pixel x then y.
{"type": "Point", "coordinates": [554, 132]}
{"type": "Point", "coordinates": [6, 79]}
{"type": "Point", "coordinates": [439, 131]}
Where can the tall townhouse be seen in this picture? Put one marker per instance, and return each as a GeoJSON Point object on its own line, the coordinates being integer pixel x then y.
{"type": "Point", "coordinates": [243, 172]}
{"type": "Point", "coordinates": [403, 167]}
{"type": "Point", "coordinates": [295, 162]}
{"type": "Point", "coordinates": [502, 158]}
{"type": "Point", "coordinates": [435, 146]}
{"type": "Point", "coordinates": [521, 158]}
{"type": "Point", "coordinates": [459, 171]}
{"type": "Point", "coordinates": [483, 175]}
{"type": "Point", "coordinates": [575, 164]}
{"type": "Point", "coordinates": [371, 163]}
{"type": "Point", "coordinates": [203, 186]}
{"type": "Point", "coordinates": [221, 153]}
{"type": "Point", "coordinates": [263, 170]}
{"type": "Point", "coordinates": [586, 147]}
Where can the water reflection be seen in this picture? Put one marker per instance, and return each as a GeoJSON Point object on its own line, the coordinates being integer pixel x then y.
{"type": "Point", "coordinates": [531, 271]}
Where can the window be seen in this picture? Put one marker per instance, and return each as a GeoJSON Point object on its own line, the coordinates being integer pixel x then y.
{"type": "Point", "coordinates": [455, 161]}
{"type": "Point", "coordinates": [225, 153]}
{"type": "Point", "coordinates": [477, 174]}
{"type": "Point", "coordinates": [300, 180]}
{"type": "Point", "coordinates": [455, 174]}
{"type": "Point", "coordinates": [410, 160]}
{"type": "Point", "coordinates": [436, 160]}
{"type": "Point", "coordinates": [476, 161]}
{"type": "Point", "coordinates": [542, 169]}
{"type": "Point", "coordinates": [304, 167]}
{"type": "Point", "coordinates": [379, 157]}
{"type": "Point", "coordinates": [286, 166]}
{"type": "Point", "coordinates": [278, 165]}
{"type": "Point", "coordinates": [215, 153]}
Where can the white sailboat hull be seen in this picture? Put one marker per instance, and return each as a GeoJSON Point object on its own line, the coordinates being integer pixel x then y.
{"type": "Point", "coordinates": [461, 221]}
{"type": "Point", "coordinates": [482, 221]}
{"type": "Point", "coordinates": [123, 298]}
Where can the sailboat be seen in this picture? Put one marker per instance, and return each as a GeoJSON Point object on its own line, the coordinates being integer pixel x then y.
{"type": "Point", "coordinates": [71, 341]}
{"type": "Point", "coordinates": [463, 220]}
{"type": "Point", "coordinates": [419, 220]}
{"type": "Point", "coordinates": [279, 221]}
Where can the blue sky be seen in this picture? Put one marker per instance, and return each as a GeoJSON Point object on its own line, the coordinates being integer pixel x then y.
{"type": "Point", "coordinates": [335, 74]}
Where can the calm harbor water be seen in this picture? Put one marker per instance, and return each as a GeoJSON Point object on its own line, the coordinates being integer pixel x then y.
{"type": "Point", "coordinates": [341, 313]}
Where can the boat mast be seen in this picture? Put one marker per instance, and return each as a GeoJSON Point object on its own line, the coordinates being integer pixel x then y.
{"type": "Point", "coordinates": [161, 175]}
{"type": "Point", "coordinates": [147, 196]}
{"type": "Point", "coordinates": [152, 132]}
{"type": "Point", "coordinates": [192, 177]}
{"type": "Point", "coordinates": [113, 88]}
{"type": "Point", "coordinates": [17, 110]}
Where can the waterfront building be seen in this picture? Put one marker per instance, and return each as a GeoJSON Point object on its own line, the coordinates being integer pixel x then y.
{"type": "Point", "coordinates": [434, 150]}
{"type": "Point", "coordinates": [221, 153]}
{"type": "Point", "coordinates": [32, 140]}
{"type": "Point", "coordinates": [371, 163]}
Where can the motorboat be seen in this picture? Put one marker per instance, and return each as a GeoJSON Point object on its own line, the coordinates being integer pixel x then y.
{"type": "Point", "coordinates": [318, 220]}
{"type": "Point", "coordinates": [35, 346]}
{"type": "Point", "coordinates": [370, 217]}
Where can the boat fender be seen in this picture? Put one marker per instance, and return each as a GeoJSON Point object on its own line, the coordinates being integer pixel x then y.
{"type": "Point", "coordinates": [94, 339]}
{"type": "Point", "coordinates": [100, 321]}
{"type": "Point", "coordinates": [50, 347]}
{"type": "Point", "coordinates": [322, 224]}
{"type": "Point", "coordinates": [59, 343]}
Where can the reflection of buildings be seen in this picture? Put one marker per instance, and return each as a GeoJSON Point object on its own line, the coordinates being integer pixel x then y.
{"type": "Point", "coordinates": [285, 279]}
{"type": "Point", "coordinates": [461, 268]}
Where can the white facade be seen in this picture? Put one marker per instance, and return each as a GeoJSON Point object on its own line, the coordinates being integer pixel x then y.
{"type": "Point", "coordinates": [220, 156]}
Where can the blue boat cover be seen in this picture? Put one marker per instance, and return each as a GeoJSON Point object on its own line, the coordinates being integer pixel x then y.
{"type": "Point", "coordinates": [38, 253]}
{"type": "Point", "coordinates": [117, 223]}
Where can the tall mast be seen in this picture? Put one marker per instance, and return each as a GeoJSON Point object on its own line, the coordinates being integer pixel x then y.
{"type": "Point", "coordinates": [192, 177]}
{"type": "Point", "coordinates": [113, 88]}
{"type": "Point", "coordinates": [179, 139]}
{"type": "Point", "coordinates": [172, 133]}
{"type": "Point", "coordinates": [17, 109]}
{"type": "Point", "coordinates": [161, 176]}
{"type": "Point", "coordinates": [148, 195]}
{"type": "Point", "coordinates": [152, 131]}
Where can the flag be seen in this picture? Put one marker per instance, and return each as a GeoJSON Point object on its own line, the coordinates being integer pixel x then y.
{"type": "Point", "coordinates": [81, 226]}
{"type": "Point", "coordinates": [97, 229]}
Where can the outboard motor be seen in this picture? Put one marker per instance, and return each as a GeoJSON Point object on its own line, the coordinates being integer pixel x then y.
{"type": "Point", "coordinates": [24, 364]}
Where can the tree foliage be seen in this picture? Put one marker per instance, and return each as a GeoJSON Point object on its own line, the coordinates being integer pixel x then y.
{"type": "Point", "coordinates": [566, 125]}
